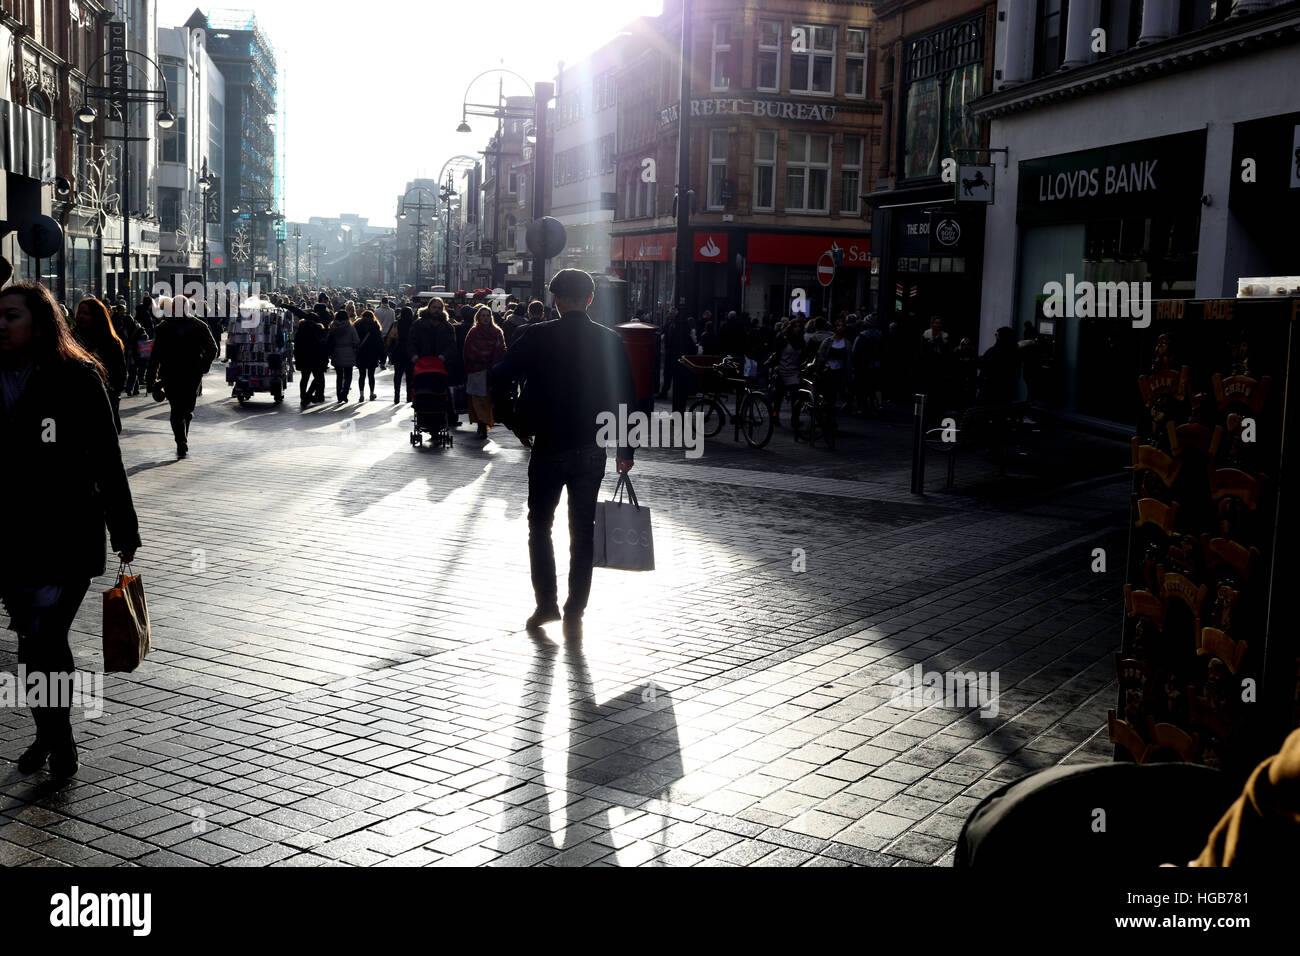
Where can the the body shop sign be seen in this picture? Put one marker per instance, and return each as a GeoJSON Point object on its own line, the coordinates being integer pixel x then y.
{"type": "Point", "coordinates": [1131, 179]}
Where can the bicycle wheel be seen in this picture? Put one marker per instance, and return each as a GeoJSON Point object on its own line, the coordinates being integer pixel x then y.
{"type": "Point", "coordinates": [756, 420]}
{"type": "Point", "coordinates": [714, 415]}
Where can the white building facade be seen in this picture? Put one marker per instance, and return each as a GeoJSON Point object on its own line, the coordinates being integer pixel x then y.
{"type": "Point", "coordinates": [195, 143]}
{"type": "Point", "coordinates": [1150, 141]}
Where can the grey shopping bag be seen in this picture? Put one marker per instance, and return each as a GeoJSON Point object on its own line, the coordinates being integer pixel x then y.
{"type": "Point", "coordinates": [623, 537]}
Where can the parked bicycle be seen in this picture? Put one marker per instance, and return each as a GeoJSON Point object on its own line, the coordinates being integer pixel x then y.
{"type": "Point", "coordinates": [813, 414]}
{"type": "Point", "coordinates": [722, 379]}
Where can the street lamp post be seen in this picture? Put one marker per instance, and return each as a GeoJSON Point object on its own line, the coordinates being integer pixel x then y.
{"type": "Point", "coordinates": [267, 214]}
{"type": "Point", "coordinates": [500, 112]}
{"type": "Point", "coordinates": [682, 292]}
{"type": "Point", "coordinates": [419, 208]}
{"type": "Point", "coordinates": [446, 194]}
{"type": "Point", "coordinates": [297, 254]}
{"type": "Point", "coordinates": [119, 96]}
{"type": "Point", "coordinates": [544, 91]}
{"type": "Point", "coordinates": [206, 182]}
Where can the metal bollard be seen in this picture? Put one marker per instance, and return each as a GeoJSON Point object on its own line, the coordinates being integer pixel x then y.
{"type": "Point", "coordinates": [918, 445]}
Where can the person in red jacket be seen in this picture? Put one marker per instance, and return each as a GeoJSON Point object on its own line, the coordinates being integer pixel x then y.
{"type": "Point", "coordinates": [485, 345]}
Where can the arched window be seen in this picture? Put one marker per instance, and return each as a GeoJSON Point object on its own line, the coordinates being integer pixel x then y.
{"type": "Point", "coordinates": [39, 102]}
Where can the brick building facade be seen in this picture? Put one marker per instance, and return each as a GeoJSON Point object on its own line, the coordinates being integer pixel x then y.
{"type": "Point", "coordinates": [784, 132]}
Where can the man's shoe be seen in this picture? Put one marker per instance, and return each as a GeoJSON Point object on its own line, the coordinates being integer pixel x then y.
{"type": "Point", "coordinates": [543, 615]}
{"type": "Point", "coordinates": [63, 761]}
{"type": "Point", "coordinates": [182, 450]}
{"type": "Point", "coordinates": [34, 757]}
{"type": "Point", "coordinates": [572, 627]}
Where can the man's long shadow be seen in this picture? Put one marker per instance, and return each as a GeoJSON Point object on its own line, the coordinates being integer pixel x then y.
{"type": "Point", "coordinates": [629, 744]}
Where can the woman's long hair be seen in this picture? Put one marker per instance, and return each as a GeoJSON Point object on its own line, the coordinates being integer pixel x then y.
{"type": "Point", "coordinates": [101, 334]}
{"type": "Point", "coordinates": [406, 313]}
{"type": "Point", "coordinates": [489, 320]}
{"type": "Point", "coordinates": [52, 340]}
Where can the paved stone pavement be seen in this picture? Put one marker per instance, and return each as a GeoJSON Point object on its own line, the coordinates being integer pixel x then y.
{"type": "Point", "coordinates": [340, 676]}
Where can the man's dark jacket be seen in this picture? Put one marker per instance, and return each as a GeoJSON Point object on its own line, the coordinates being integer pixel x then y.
{"type": "Point", "coordinates": [183, 349]}
{"type": "Point", "coordinates": [572, 369]}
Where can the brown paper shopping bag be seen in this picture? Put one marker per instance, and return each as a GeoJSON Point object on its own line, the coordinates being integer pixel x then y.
{"type": "Point", "coordinates": [126, 623]}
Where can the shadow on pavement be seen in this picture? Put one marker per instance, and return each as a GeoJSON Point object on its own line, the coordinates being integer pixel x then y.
{"type": "Point", "coordinates": [644, 767]}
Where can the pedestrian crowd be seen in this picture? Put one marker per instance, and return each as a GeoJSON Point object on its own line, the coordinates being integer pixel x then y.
{"type": "Point", "coordinates": [866, 363]}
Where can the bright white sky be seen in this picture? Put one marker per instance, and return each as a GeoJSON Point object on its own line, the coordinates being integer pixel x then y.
{"type": "Point", "coordinates": [374, 90]}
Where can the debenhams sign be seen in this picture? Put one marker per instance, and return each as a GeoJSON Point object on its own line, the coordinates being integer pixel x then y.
{"type": "Point", "coordinates": [772, 109]}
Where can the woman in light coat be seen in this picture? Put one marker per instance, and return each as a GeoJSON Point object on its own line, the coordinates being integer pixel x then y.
{"type": "Point", "coordinates": [341, 341]}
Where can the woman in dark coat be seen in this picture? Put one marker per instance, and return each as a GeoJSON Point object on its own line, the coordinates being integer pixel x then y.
{"type": "Point", "coordinates": [59, 445]}
{"type": "Point", "coordinates": [370, 351]}
{"type": "Point", "coordinates": [94, 332]}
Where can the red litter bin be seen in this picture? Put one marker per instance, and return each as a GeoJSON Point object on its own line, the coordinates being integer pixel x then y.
{"type": "Point", "coordinates": [642, 342]}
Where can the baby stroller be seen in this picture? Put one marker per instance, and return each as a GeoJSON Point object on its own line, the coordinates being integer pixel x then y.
{"type": "Point", "coordinates": [431, 396]}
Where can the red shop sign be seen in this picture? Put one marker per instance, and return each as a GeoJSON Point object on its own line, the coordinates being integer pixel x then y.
{"type": "Point", "coordinates": [615, 248]}
{"type": "Point", "coordinates": [806, 250]}
{"type": "Point", "coordinates": [653, 248]}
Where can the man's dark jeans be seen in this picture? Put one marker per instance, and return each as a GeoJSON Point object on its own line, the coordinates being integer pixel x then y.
{"type": "Point", "coordinates": [182, 395]}
{"type": "Point", "coordinates": [311, 384]}
{"type": "Point", "coordinates": [581, 472]}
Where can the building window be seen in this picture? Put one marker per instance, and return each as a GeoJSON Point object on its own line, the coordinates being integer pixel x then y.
{"type": "Point", "coordinates": [768, 65]}
{"type": "Point", "coordinates": [511, 223]}
{"type": "Point", "coordinates": [512, 183]}
{"type": "Point", "coordinates": [171, 142]}
{"type": "Point", "coordinates": [807, 172]}
{"type": "Point", "coordinates": [1049, 51]}
{"type": "Point", "coordinates": [717, 166]}
{"type": "Point", "coordinates": [851, 176]}
{"type": "Point", "coordinates": [855, 64]}
{"type": "Point", "coordinates": [813, 71]}
{"type": "Point", "coordinates": [169, 209]}
{"type": "Point", "coordinates": [721, 71]}
{"type": "Point", "coordinates": [1196, 14]}
{"type": "Point", "coordinates": [765, 170]}
{"type": "Point", "coordinates": [944, 73]}
{"type": "Point", "coordinates": [38, 102]}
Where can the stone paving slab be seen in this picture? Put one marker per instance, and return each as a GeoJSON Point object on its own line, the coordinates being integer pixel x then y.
{"type": "Point", "coordinates": [340, 675]}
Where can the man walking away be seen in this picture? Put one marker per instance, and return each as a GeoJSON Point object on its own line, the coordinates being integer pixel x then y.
{"type": "Point", "coordinates": [573, 370]}
{"type": "Point", "coordinates": [183, 350]}
{"type": "Point", "coordinates": [386, 317]}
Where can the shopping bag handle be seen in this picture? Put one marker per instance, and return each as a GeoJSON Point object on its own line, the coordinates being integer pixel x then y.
{"type": "Point", "coordinates": [625, 484]}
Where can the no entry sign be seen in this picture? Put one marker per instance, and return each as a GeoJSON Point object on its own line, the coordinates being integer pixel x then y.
{"type": "Point", "coordinates": [826, 269]}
